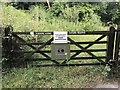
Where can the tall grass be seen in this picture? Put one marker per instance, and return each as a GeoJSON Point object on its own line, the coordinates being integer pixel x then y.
{"type": "Point", "coordinates": [52, 77]}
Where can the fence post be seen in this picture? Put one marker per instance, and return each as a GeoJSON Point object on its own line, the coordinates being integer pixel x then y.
{"type": "Point", "coordinates": [8, 35]}
{"type": "Point", "coordinates": [110, 44]}
{"type": "Point", "coordinates": [117, 43]}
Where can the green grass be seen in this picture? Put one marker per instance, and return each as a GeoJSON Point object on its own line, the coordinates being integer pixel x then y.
{"type": "Point", "coordinates": [53, 77]}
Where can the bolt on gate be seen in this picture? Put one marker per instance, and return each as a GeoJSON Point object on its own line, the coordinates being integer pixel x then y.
{"type": "Point", "coordinates": [62, 48]}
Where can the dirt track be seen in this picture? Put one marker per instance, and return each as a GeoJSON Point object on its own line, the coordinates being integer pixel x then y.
{"type": "Point", "coordinates": [108, 85]}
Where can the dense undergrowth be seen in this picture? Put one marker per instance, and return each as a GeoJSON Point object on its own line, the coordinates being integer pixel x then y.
{"type": "Point", "coordinates": [39, 19]}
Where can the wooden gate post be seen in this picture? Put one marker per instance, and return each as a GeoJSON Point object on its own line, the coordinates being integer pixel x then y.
{"type": "Point", "coordinates": [110, 44]}
{"type": "Point", "coordinates": [8, 35]}
{"type": "Point", "coordinates": [117, 43]}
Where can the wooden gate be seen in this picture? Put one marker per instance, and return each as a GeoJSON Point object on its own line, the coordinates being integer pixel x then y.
{"type": "Point", "coordinates": [92, 51]}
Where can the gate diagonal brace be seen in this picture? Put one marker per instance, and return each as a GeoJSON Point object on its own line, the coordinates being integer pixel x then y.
{"type": "Point", "coordinates": [85, 50]}
{"type": "Point", "coordinates": [36, 49]}
{"type": "Point", "coordinates": [89, 45]}
{"type": "Point", "coordinates": [30, 45]}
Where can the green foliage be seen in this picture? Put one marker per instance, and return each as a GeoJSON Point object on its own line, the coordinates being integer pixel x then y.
{"type": "Point", "coordinates": [56, 9]}
{"type": "Point", "coordinates": [106, 70]}
{"type": "Point", "coordinates": [40, 19]}
{"type": "Point", "coordinates": [109, 12]}
{"type": "Point", "coordinates": [116, 13]}
{"type": "Point", "coordinates": [17, 18]}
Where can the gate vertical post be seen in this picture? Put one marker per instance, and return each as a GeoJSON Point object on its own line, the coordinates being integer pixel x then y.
{"type": "Point", "coordinates": [110, 44]}
{"type": "Point", "coordinates": [117, 43]}
{"type": "Point", "coordinates": [8, 34]}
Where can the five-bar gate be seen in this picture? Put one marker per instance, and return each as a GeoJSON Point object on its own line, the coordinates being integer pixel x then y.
{"type": "Point", "coordinates": [86, 47]}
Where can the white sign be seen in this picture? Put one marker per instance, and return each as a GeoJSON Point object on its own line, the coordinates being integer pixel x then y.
{"type": "Point", "coordinates": [32, 33]}
{"type": "Point", "coordinates": [60, 37]}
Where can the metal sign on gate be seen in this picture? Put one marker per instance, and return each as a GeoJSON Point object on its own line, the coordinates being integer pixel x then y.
{"type": "Point", "coordinates": [60, 37]}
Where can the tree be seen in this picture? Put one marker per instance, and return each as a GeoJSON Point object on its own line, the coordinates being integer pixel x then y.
{"type": "Point", "coordinates": [110, 12]}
